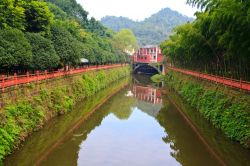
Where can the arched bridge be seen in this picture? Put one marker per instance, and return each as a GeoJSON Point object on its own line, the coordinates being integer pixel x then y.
{"type": "Point", "coordinates": [147, 68]}
{"type": "Point", "coordinates": [148, 60]}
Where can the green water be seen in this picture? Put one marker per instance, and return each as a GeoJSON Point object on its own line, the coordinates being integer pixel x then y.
{"type": "Point", "coordinates": [138, 125]}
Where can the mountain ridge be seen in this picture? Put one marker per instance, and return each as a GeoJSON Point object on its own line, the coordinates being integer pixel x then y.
{"type": "Point", "coordinates": [152, 30]}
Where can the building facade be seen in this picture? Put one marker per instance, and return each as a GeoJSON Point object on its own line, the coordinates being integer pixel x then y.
{"type": "Point", "coordinates": [148, 54]}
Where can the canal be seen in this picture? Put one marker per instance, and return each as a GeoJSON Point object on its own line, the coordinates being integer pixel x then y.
{"type": "Point", "coordinates": [137, 123]}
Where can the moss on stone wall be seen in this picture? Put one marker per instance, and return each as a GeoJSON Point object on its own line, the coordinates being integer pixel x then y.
{"type": "Point", "coordinates": [227, 111]}
{"type": "Point", "coordinates": [25, 114]}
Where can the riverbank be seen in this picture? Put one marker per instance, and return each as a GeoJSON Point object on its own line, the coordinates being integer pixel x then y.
{"type": "Point", "coordinates": [33, 106]}
{"type": "Point", "coordinates": [226, 109]}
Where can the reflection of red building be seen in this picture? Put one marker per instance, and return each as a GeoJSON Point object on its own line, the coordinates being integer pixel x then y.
{"type": "Point", "coordinates": [148, 54]}
{"type": "Point", "coordinates": [147, 94]}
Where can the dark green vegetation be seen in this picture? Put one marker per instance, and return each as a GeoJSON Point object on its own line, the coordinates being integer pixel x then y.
{"type": "Point", "coordinates": [152, 30]}
{"type": "Point", "coordinates": [157, 78]}
{"type": "Point", "coordinates": [39, 35]}
{"type": "Point", "coordinates": [216, 42]}
{"type": "Point", "coordinates": [225, 109]}
{"type": "Point", "coordinates": [21, 116]}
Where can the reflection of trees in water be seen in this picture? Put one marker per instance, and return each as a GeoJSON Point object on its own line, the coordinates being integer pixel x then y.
{"type": "Point", "coordinates": [186, 147]}
{"type": "Point", "coordinates": [118, 104]}
{"type": "Point", "coordinates": [149, 108]}
{"type": "Point", "coordinates": [60, 129]}
{"type": "Point", "coordinates": [122, 106]}
{"type": "Point", "coordinates": [142, 79]}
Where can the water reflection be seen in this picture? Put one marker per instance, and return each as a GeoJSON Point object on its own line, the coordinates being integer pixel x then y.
{"type": "Point", "coordinates": [147, 94]}
{"type": "Point", "coordinates": [137, 126]}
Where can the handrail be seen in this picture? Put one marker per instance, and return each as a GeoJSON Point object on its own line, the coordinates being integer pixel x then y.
{"type": "Point", "coordinates": [13, 80]}
{"type": "Point", "coordinates": [239, 84]}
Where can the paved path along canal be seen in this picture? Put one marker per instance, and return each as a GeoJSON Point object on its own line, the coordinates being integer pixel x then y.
{"type": "Point", "coordinates": [139, 125]}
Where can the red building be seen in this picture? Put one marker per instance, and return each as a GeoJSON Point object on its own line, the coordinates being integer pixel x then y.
{"type": "Point", "coordinates": [148, 54]}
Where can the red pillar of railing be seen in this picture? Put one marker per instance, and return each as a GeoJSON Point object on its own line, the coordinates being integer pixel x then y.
{"type": "Point", "coordinates": [231, 81]}
{"type": "Point", "coordinates": [15, 79]}
{"type": "Point", "coordinates": [46, 74]}
{"type": "Point", "coordinates": [37, 75]}
{"type": "Point", "coordinates": [223, 80]}
{"type": "Point", "coordinates": [240, 83]}
{"type": "Point", "coordinates": [3, 83]}
{"type": "Point", "coordinates": [27, 76]}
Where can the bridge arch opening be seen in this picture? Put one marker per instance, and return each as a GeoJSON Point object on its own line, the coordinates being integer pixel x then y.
{"type": "Point", "coordinates": [146, 69]}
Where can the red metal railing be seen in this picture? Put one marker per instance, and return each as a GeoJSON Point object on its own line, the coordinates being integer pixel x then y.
{"type": "Point", "coordinates": [9, 81]}
{"type": "Point", "coordinates": [239, 84]}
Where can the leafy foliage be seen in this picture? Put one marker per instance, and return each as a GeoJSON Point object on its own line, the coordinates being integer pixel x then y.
{"type": "Point", "coordinates": [64, 24]}
{"type": "Point", "coordinates": [65, 45]}
{"type": "Point", "coordinates": [44, 54]}
{"type": "Point", "coordinates": [32, 16]}
{"type": "Point", "coordinates": [216, 42]}
{"type": "Point", "coordinates": [12, 14]}
{"type": "Point", "coordinates": [73, 9]}
{"type": "Point", "coordinates": [59, 14]}
{"type": "Point", "coordinates": [15, 50]}
{"type": "Point", "coordinates": [38, 16]}
{"type": "Point", "coordinates": [125, 40]}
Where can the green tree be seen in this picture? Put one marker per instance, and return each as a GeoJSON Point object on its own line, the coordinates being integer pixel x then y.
{"type": "Point", "coordinates": [15, 50]}
{"type": "Point", "coordinates": [73, 9]}
{"type": "Point", "coordinates": [216, 42]}
{"type": "Point", "coordinates": [38, 16]}
{"type": "Point", "coordinates": [125, 40]}
{"type": "Point", "coordinates": [32, 15]}
{"type": "Point", "coordinates": [12, 14]}
{"type": "Point", "coordinates": [44, 54]}
{"type": "Point", "coordinates": [65, 45]}
{"type": "Point", "coordinates": [58, 12]}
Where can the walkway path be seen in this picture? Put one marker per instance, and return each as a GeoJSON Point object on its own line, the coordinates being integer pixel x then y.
{"type": "Point", "coordinates": [24, 79]}
{"type": "Point", "coordinates": [239, 84]}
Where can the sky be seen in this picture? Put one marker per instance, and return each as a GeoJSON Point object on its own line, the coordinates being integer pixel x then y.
{"type": "Point", "coordinates": [133, 9]}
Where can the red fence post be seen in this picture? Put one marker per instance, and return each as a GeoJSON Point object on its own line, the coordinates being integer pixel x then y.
{"type": "Point", "coordinates": [2, 82]}
{"type": "Point", "coordinates": [240, 83]}
{"type": "Point", "coordinates": [15, 79]}
{"type": "Point", "coordinates": [27, 76]}
{"type": "Point", "coordinates": [46, 74]}
{"type": "Point", "coordinates": [223, 82]}
{"type": "Point", "coordinates": [37, 76]}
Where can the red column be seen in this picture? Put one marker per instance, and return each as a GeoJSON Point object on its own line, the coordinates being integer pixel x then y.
{"type": "Point", "coordinates": [240, 83]}
{"type": "Point", "coordinates": [2, 82]}
{"type": "Point", "coordinates": [37, 75]}
{"type": "Point", "coordinates": [46, 74]}
{"type": "Point", "coordinates": [27, 76]}
{"type": "Point", "coordinates": [15, 79]}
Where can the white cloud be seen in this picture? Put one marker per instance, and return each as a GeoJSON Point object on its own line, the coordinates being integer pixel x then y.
{"type": "Point", "coordinates": [134, 9]}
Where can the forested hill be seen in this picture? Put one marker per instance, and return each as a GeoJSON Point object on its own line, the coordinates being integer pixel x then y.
{"type": "Point", "coordinates": [152, 30]}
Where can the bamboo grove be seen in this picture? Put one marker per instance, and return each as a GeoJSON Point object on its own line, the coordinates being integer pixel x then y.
{"type": "Point", "coordinates": [216, 42]}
